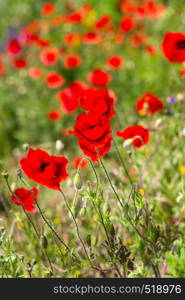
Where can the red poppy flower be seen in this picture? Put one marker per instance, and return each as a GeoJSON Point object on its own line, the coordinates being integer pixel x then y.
{"type": "Point", "coordinates": [91, 38]}
{"type": "Point", "coordinates": [127, 6]}
{"type": "Point", "coordinates": [148, 104]}
{"type": "Point", "coordinates": [138, 135]}
{"type": "Point", "coordinates": [115, 61]}
{"type": "Point", "coordinates": [99, 78]}
{"type": "Point", "coordinates": [54, 80]}
{"type": "Point", "coordinates": [69, 97]}
{"type": "Point", "coordinates": [102, 22]}
{"type": "Point", "coordinates": [19, 63]}
{"type": "Point", "coordinates": [49, 56]}
{"type": "Point", "coordinates": [36, 40]}
{"type": "Point", "coordinates": [127, 24]}
{"type": "Point", "coordinates": [2, 68]}
{"type": "Point", "coordinates": [42, 43]}
{"type": "Point", "coordinates": [72, 61]}
{"type": "Point", "coordinates": [173, 46]}
{"type": "Point", "coordinates": [45, 169]}
{"type": "Point", "coordinates": [71, 38]}
{"type": "Point", "coordinates": [54, 115]}
{"type": "Point", "coordinates": [47, 9]}
{"type": "Point", "coordinates": [26, 198]}
{"type": "Point", "coordinates": [140, 11]}
{"type": "Point", "coordinates": [182, 72]}
{"type": "Point", "coordinates": [80, 162]}
{"type": "Point", "coordinates": [150, 49]}
{"type": "Point", "coordinates": [138, 39]}
{"type": "Point", "coordinates": [75, 17]}
{"type": "Point", "coordinates": [153, 9]}
{"type": "Point", "coordinates": [35, 72]}
{"type": "Point", "coordinates": [98, 102]}
{"type": "Point", "coordinates": [94, 135]}
{"type": "Point", "coordinates": [14, 47]}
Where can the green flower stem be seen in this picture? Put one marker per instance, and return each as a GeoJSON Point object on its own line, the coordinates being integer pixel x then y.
{"type": "Point", "coordinates": [33, 225]}
{"type": "Point", "coordinates": [48, 224]}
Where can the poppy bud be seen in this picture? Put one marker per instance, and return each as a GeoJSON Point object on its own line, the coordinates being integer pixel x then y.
{"type": "Point", "coordinates": [127, 143]}
{"type": "Point", "coordinates": [19, 172]}
{"type": "Point", "coordinates": [13, 186]}
{"type": "Point", "coordinates": [77, 181]}
{"type": "Point", "coordinates": [25, 147]}
{"type": "Point", "coordinates": [5, 174]}
{"type": "Point", "coordinates": [82, 211]}
{"type": "Point", "coordinates": [59, 145]}
{"type": "Point", "coordinates": [44, 241]}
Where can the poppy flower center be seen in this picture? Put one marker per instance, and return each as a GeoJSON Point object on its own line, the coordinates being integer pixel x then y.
{"type": "Point", "coordinates": [43, 166]}
{"type": "Point", "coordinates": [181, 44]}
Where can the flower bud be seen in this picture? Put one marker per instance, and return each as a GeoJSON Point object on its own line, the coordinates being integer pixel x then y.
{"type": "Point", "coordinates": [127, 143]}
{"type": "Point", "coordinates": [25, 147]}
{"type": "Point", "coordinates": [19, 172]}
{"type": "Point", "coordinates": [59, 145]}
{"type": "Point", "coordinates": [44, 241]}
{"type": "Point", "coordinates": [5, 174]}
{"type": "Point", "coordinates": [77, 181]}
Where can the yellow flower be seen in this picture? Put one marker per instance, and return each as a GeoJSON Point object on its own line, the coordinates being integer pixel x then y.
{"type": "Point", "coordinates": [92, 220]}
{"type": "Point", "coordinates": [57, 220]}
{"type": "Point", "coordinates": [77, 273]}
{"type": "Point", "coordinates": [182, 170]}
{"type": "Point", "coordinates": [128, 241]}
{"type": "Point", "coordinates": [141, 192]}
{"type": "Point", "coordinates": [20, 225]}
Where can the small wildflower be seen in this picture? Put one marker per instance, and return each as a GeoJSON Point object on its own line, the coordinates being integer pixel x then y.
{"type": "Point", "coordinates": [20, 225]}
{"type": "Point", "coordinates": [141, 192]}
{"type": "Point", "coordinates": [180, 96]}
{"type": "Point", "coordinates": [182, 170]}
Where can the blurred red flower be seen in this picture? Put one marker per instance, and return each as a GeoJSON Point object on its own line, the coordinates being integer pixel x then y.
{"type": "Point", "coordinates": [69, 96]}
{"type": "Point", "coordinates": [138, 39]}
{"type": "Point", "coordinates": [173, 46]}
{"type": "Point", "coordinates": [72, 61]}
{"type": "Point", "coordinates": [94, 135]}
{"type": "Point", "coordinates": [115, 61]}
{"type": "Point", "coordinates": [150, 49]}
{"type": "Point", "coordinates": [71, 38]}
{"type": "Point", "coordinates": [45, 169]}
{"type": "Point", "coordinates": [99, 78]}
{"type": "Point", "coordinates": [148, 104]}
{"type": "Point", "coordinates": [54, 80]}
{"type": "Point", "coordinates": [103, 22]}
{"type": "Point", "coordinates": [47, 8]}
{"type": "Point", "coordinates": [14, 47]}
{"type": "Point", "coordinates": [98, 102]}
{"type": "Point", "coordinates": [54, 115]}
{"type": "Point", "coordinates": [138, 135]}
{"type": "Point", "coordinates": [127, 24]}
{"type": "Point", "coordinates": [49, 56]}
{"type": "Point", "coordinates": [80, 162]}
{"type": "Point", "coordinates": [74, 17]}
{"type": "Point", "coordinates": [2, 67]}
{"type": "Point", "coordinates": [19, 63]}
{"type": "Point", "coordinates": [182, 72]}
{"type": "Point", "coordinates": [25, 198]}
{"type": "Point", "coordinates": [35, 72]}
{"type": "Point", "coordinates": [91, 38]}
